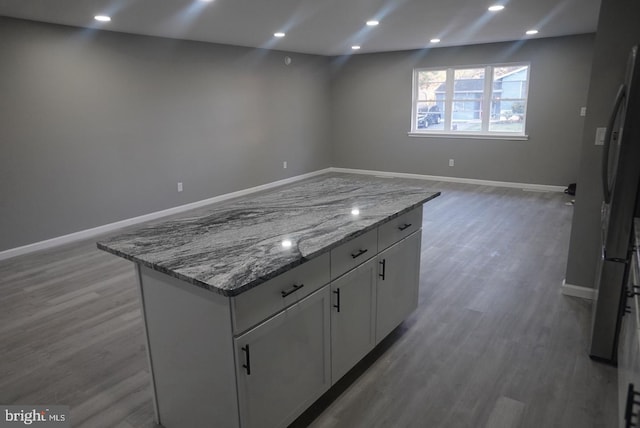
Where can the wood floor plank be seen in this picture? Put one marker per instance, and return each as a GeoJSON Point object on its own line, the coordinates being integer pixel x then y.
{"type": "Point", "coordinates": [493, 342]}
{"type": "Point", "coordinates": [507, 413]}
{"type": "Point", "coordinates": [100, 402]}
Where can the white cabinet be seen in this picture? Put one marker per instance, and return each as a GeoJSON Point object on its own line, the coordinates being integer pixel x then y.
{"type": "Point", "coordinates": [282, 365]}
{"type": "Point", "coordinates": [259, 359]}
{"type": "Point", "coordinates": [371, 300]}
{"type": "Point", "coordinates": [398, 282]}
{"type": "Point", "coordinates": [352, 318]}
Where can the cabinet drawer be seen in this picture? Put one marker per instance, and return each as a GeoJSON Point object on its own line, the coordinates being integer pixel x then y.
{"type": "Point", "coordinates": [259, 303]}
{"type": "Point", "coordinates": [399, 227]}
{"type": "Point", "coordinates": [352, 253]}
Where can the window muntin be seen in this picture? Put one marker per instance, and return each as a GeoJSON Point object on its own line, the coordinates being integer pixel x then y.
{"type": "Point", "coordinates": [480, 100]}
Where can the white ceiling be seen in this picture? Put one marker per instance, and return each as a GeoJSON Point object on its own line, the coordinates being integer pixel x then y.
{"type": "Point", "coordinates": [326, 27]}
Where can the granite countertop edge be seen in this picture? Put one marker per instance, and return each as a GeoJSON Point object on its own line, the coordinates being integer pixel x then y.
{"type": "Point", "coordinates": [278, 271]}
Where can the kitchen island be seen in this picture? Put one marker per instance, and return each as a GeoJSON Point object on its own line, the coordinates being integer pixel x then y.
{"type": "Point", "coordinates": [255, 306]}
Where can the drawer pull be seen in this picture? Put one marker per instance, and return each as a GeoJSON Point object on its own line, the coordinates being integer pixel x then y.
{"type": "Point", "coordinates": [337, 293]}
{"type": "Point", "coordinates": [405, 226]}
{"type": "Point", "coordinates": [295, 288]}
{"type": "Point", "coordinates": [384, 268]}
{"type": "Point", "coordinates": [359, 253]}
{"type": "Point", "coordinates": [247, 366]}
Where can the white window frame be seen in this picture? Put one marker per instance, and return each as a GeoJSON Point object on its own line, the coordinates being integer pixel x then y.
{"type": "Point", "coordinates": [486, 105]}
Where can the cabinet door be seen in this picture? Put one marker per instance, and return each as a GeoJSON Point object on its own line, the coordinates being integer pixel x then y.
{"type": "Point", "coordinates": [397, 288]}
{"type": "Point", "coordinates": [283, 364]}
{"type": "Point", "coordinates": [352, 320]}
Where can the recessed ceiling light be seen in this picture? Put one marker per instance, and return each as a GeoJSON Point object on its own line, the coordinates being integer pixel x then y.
{"type": "Point", "coordinates": [102, 18]}
{"type": "Point", "coordinates": [372, 23]}
{"type": "Point", "coordinates": [355, 47]}
{"type": "Point", "coordinates": [496, 8]}
{"type": "Point", "coordinates": [278, 34]}
{"type": "Point", "coordinates": [532, 32]}
{"type": "Point", "coordinates": [434, 41]}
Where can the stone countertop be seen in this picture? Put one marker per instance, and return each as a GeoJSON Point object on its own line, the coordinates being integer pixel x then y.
{"type": "Point", "coordinates": [232, 246]}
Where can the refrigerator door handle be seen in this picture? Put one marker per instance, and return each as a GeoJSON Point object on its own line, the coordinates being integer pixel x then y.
{"type": "Point", "coordinates": [622, 92]}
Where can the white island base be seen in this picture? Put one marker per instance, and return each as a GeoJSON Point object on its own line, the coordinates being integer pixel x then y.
{"type": "Point", "coordinates": [259, 359]}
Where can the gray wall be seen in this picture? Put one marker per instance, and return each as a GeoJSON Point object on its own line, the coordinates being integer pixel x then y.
{"type": "Point", "coordinates": [618, 31]}
{"type": "Point", "coordinates": [371, 113]}
{"type": "Point", "coordinates": [99, 126]}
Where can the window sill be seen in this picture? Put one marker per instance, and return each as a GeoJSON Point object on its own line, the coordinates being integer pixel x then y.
{"type": "Point", "coordinates": [470, 136]}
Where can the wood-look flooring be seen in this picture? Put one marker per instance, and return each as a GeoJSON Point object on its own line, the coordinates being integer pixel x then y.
{"type": "Point", "coordinates": [492, 344]}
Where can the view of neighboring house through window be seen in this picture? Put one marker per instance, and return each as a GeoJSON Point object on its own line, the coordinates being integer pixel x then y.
{"type": "Point", "coordinates": [484, 100]}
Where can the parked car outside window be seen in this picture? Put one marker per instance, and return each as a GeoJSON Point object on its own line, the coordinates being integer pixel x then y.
{"type": "Point", "coordinates": [429, 117]}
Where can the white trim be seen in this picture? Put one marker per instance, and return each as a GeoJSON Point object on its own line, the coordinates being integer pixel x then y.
{"type": "Point", "coordinates": [89, 233]}
{"type": "Point", "coordinates": [463, 135]}
{"type": "Point", "coordinates": [577, 291]}
{"type": "Point", "coordinates": [523, 186]}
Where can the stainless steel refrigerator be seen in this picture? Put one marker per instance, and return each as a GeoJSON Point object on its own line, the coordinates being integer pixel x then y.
{"type": "Point", "coordinates": [620, 182]}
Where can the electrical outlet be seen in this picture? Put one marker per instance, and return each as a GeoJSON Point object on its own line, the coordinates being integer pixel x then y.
{"type": "Point", "coordinates": [284, 165]}
{"type": "Point", "coordinates": [600, 133]}
{"type": "Point", "coordinates": [179, 186]}
{"type": "Point", "coordinates": [583, 111]}
{"type": "Point", "coordinates": [451, 162]}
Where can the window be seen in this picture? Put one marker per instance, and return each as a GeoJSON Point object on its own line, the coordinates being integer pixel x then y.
{"type": "Point", "coordinates": [476, 101]}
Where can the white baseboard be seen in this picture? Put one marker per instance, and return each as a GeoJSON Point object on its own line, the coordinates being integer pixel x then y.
{"type": "Point", "coordinates": [523, 186]}
{"type": "Point", "coordinates": [89, 233]}
{"type": "Point", "coordinates": [577, 291]}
